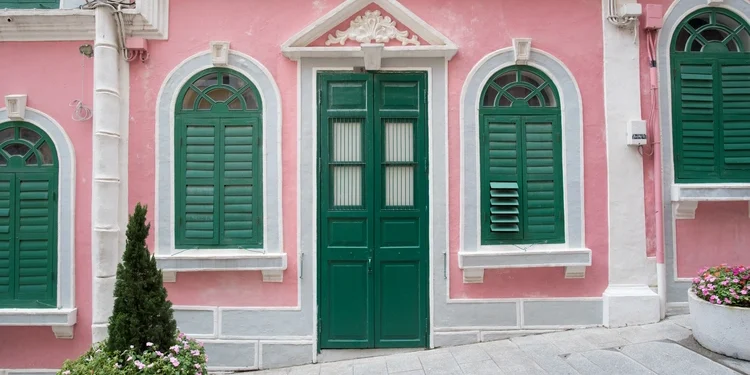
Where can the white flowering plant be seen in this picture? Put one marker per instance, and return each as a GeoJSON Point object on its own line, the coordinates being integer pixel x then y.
{"type": "Point", "coordinates": [186, 357]}
{"type": "Point", "coordinates": [724, 285]}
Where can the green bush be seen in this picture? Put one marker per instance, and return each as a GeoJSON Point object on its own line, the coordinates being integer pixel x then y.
{"type": "Point", "coordinates": [186, 357]}
{"type": "Point", "coordinates": [142, 312]}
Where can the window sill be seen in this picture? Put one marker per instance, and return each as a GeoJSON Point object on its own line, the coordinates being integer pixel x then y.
{"type": "Point", "coordinates": [473, 263]}
{"type": "Point", "coordinates": [687, 196]}
{"type": "Point", "coordinates": [272, 265]}
{"type": "Point", "coordinates": [60, 320]}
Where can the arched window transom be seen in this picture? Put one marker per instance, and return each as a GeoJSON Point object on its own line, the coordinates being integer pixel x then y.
{"type": "Point", "coordinates": [519, 87]}
{"type": "Point", "coordinates": [712, 30]}
{"type": "Point", "coordinates": [220, 90]}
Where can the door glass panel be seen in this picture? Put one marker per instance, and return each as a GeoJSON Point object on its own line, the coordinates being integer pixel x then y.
{"type": "Point", "coordinates": [16, 149]}
{"type": "Point", "coordinates": [346, 162]}
{"type": "Point", "coordinates": [30, 135]}
{"type": "Point", "coordinates": [399, 163]}
{"type": "Point", "coordinates": [7, 134]}
{"type": "Point", "coordinates": [347, 185]}
{"type": "Point", "coordinates": [47, 158]}
{"type": "Point", "coordinates": [32, 160]}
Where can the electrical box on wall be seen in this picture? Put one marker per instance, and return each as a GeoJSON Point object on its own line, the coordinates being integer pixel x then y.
{"type": "Point", "coordinates": [653, 17]}
{"type": "Point", "coordinates": [637, 133]}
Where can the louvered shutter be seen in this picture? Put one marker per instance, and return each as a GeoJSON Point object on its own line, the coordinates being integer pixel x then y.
{"type": "Point", "coordinates": [501, 178]}
{"type": "Point", "coordinates": [198, 183]}
{"type": "Point", "coordinates": [735, 111]}
{"type": "Point", "coordinates": [240, 183]}
{"type": "Point", "coordinates": [35, 236]}
{"type": "Point", "coordinates": [7, 209]}
{"type": "Point", "coordinates": [542, 177]}
{"type": "Point", "coordinates": [695, 133]}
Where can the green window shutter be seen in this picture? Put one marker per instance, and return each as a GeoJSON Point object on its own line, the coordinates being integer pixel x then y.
{"type": "Point", "coordinates": [241, 183]}
{"type": "Point", "coordinates": [7, 210]}
{"type": "Point", "coordinates": [695, 132]}
{"type": "Point", "coordinates": [218, 185]}
{"type": "Point", "coordinates": [199, 221]}
{"type": "Point", "coordinates": [521, 159]}
{"type": "Point", "coordinates": [30, 4]}
{"type": "Point", "coordinates": [35, 237]}
{"type": "Point", "coordinates": [543, 182]}
{"type": "Point", "coordinates": [735, 109]}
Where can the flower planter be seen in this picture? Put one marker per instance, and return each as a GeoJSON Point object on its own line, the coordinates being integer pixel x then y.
{"type": "Point", "coordinates": [721, 329]}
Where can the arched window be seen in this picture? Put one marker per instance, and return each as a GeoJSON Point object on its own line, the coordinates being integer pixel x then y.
{"type": "Point", "coordinates": [28, 217]}
{"type": "Point", "coordinates": [218, 189]}
{"type": "Point", "coordinates": [521, 159]}
{"type": "Point", "coordinates": [710, 57]}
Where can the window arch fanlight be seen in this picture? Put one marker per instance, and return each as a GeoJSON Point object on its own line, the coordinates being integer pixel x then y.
{"type": "Point", "coordinates": [521, 159]}
{"type": "Point", "coordinates": [218, 185]}
{"type": "Point", "coordinates": [710, 61]}
{"type": "Point", "coordinates": [28, 214]}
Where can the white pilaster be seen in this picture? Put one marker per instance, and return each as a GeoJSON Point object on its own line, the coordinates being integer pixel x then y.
{"type": "Point", "coordinates": [105, 190]}
{"type": "Point", "coordinates": [628, 299]}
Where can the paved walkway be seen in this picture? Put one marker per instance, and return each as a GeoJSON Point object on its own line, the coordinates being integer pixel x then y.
{"type": "Point", "coordinates": [664, 348]}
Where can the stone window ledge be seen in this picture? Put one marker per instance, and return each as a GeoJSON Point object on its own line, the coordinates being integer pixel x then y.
{"type": "Point", "coordinates": [473, 263]}
{"type": "Point", "coordinates": [61, 320]}
{"type": "Point", "coordinates": [685, 197]}
{"type": "Point", "coordinates": [272, 265]}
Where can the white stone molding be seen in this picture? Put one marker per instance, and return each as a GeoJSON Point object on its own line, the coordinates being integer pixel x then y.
{"type": "Point", "coordinates": [373, 55]}
{"type": "Point", "coordinates": [169, 276]}
{"type": "Point", "coordinates": [685, 209]}
{"type": "Point", "coordinates": [65, 312]}
{"type": "Point", "coordinates": [63, 332]}
{"type": "Point", "coordinates": [219, 53]}
{"type": "Point", "coordinates": [576, 272]}
{"type": "Point", "coordinates": [473, 275]}
{"type": "Point", "coordinates": [476, 262]}
{"type": "Point", "coordinates": [372, 27]}
{"type": "Point", "coordinates": [149, 20]}
{"type": "Point", "coordinates": [522, 50]}
{"type": "Point", "coordinates": [271, 258]}
{"type": "Point", "coordinates": [16, 106]}
{"type": "Point", "coordinates": [685, 197]}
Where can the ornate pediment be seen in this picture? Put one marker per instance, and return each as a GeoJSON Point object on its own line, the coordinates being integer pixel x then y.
{"type": "Point", "coordinates": [372, 27]}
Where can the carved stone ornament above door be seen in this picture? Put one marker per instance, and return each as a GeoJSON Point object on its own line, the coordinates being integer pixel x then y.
{"type": "Point", "coordinates": [372, 26]}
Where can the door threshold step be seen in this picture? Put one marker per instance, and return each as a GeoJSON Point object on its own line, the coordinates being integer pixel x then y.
{"type": "Point", "coordinates": [335, 355]}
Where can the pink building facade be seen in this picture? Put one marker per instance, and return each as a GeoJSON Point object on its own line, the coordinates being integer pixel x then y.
{"type": "Point", "coordinates": [367, 173]}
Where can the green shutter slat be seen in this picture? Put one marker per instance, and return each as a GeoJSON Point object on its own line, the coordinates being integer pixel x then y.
{"type": "Point", "coordinates": [30, 4]}
{"type": "Point", "coordinates": [502, 150]}
{"type": "Point", "coordinates": [695, 130]}
{"type": "Point", "coordinates": [238, 175]}
{"type": "Point", "coordinates": [6, 285]}
{"type": "Point", "coordinates": [504, 218]}
{"type": "Point", "coordinates": [542, 204]}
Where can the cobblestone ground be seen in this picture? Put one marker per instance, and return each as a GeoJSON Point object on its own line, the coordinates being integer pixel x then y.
{"type": "Point", "coordinates": [664, 348]}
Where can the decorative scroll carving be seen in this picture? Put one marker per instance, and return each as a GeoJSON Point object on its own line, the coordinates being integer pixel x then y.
{"type": "Point", "coordinates": [372, 26]}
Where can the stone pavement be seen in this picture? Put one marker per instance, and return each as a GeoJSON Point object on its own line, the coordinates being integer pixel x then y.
{"type": "Point", "coordinates": [664, 348]}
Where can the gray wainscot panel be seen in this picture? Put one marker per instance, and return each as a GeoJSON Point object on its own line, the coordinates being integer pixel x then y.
{"type": "Point", "coordinates": [496, 314]}
{"type": "Point", "coordinates": [455, 338]}
{"type": "Point", "coordinates": [282, 355]}
{"type": "Point", "coordinates": [263, 323]}
{"type": "Point", "coordinates": [562, 313]}
{"type": "Point", "coordinates": [195, 322]}
{"type": "Point", "coordinates": [231, 355]}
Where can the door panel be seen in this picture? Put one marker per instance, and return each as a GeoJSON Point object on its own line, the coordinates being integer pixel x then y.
{"type": "Point", "coordinates": [373, 202]}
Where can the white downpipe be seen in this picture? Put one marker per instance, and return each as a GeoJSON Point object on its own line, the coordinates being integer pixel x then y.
{"type": "Point", "coordinates": [105, 189]}
{"type": "Point", "coordinates": [661, 277]}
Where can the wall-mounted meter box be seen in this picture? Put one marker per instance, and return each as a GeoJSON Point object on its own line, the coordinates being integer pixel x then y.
{"type": "Point", "coordinates": [637, 133]}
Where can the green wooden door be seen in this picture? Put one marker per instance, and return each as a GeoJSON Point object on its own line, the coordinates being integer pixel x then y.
{"type": "Point", "coordinates": [372, 204]}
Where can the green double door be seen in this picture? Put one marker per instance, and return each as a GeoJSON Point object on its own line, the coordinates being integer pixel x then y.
{"type": "Point", "coordinates": [372, 205]}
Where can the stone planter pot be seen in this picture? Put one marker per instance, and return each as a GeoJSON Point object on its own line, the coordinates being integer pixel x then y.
{"type": "Point", "coordinates": [721, 329]}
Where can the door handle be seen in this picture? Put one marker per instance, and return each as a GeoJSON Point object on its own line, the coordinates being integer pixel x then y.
{"type": "Point", "coordinates": [369, 265]}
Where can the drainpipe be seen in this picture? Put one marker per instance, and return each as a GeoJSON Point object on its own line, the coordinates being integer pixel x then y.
{"type": "Point", "coordinates": [105, 189]}
{"type": "Point", "coordinates": [661, 271]}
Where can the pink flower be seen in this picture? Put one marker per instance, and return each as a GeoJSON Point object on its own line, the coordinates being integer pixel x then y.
{"type": "Point", "coordinates": [181, 335]}
{"type": "Point", "coordinates": [159, 353]}
{"type": "Point", "coordinates": [195, 352]}
{"type": "Point", "coordinates": [130, 358]}
{"type": "Point", "coordinates": [175, 362]}
{"type": "Point", "coordinates": [150, 365]}
{"type": "Point", "coordinates": [139, 364]}
{"type": "Point", "coordinates": [198, 366]}
{"type": "Point", "coordinates": [149, 344]}
{"type": "Point", "coordinates": [117, 365]}
{"type": "Point", "coordinates": [175, 348]}
{"type": "Point", "coordinates": [67, 372]}
{"type": "Point", "coordinates": [727, 300]}
{"type": "Point", "coordinates": [201, 343]}
{"type": "Point", "coordinates": [186, 346]}
{"type": "Point", "coordinates": [736, 280]}
{"type": "Point", "coordinates": [744, 291]}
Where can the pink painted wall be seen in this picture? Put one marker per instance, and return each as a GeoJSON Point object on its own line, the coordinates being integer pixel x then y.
{"type": "Point", "coordinates": [52, 76]}
{"type": "Point", "coordinates": [720, 232]}
{"type": "Point", "coordinates": [478, 27]}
